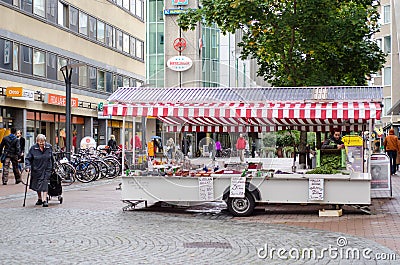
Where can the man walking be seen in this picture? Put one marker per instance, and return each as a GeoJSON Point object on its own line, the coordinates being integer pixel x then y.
{"type": "Point", "coordinates": [391, 148]}
{"type": "Point", "coordinates": [11, 147]}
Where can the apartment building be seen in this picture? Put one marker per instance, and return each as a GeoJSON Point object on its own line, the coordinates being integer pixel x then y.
{"type": "Point", "coordinates": [389, 40]}
{"type": "Point", "coordinates": [103, 39]}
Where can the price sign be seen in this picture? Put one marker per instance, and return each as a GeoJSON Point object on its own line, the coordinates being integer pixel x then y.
{"type": "Point", "coordinates": [316, 189]}
{"type": "Point", "coordinates": [237, 188]}
{"type": "Point", "coordinates": [206, 189]}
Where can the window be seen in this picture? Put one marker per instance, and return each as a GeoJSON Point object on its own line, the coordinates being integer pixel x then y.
{"type": "Point", "coordinates": [132, 82]}
{"type": "Point", "coordinates": [139, 49]}
{"type": "Point", "coordinates": [125, 47]}
{"type": "Point", "coordinates": [83, 76]}
{"type": "Point", "coordinates": [386, 14]}
{"type": "Point", "coordinates": [6, 54]}
{"type": "Point", "coordinates": [62, 14]}
{"type": "Point", "coordinates": [387, 48]}
{"type": "Point", "coordinates": [39, 63]}
{"type": "Point", "coordinates": [109, 35]}
{"type": "Point", "coordinates": [133, 6]}
{"type": "Point", "coordinates": [125, 82]}
{"type": "Point", "coordinates": [8, 1]}
{"type": "Point", "coordinates": [51, 66]}
{"type": "Point", "coordinates": [133, 45]}
{"type": "Point", "coordinates": [100, 80]}
{"type": "Point", "coordinates": [387, 105]}
{"type": "Point", "coordinates": [83, 23]}
{"type": "Point", "coordinates": [119, 2]}
{"type": "Point", "coordinates": [118, 39]}
{"type": "Point", "coordinates": [39, 8]}
{"type": "Point", "coordinates": [92, 77]}
{"type": "Point", "coordinates": [26, 5]}
{"type": "Point", "coordinates": [387, 76]}
{"type": "Point", "coordinates": [125, 4]}
{"type": "Point", "coordinates": [379, 43]}
{"type": "Point", "coordinates": [139, 7]}
{"type": "Point", "coordinates": [92, 28]}
{"type": "Point", "coordinates": [26, 59]}
{"type": "Point", "coordinates": [75, 73]}
{"type": "Point", "coordinates": [60, 63]}
{"type": "Point", "coordinates": [109, 82]}
{"type": "Point", "coordinates": [100, 31]}
{"type": "Point", "coordinates": [73, 19]}
{"type": "Point", "coordinates": [51, 10]}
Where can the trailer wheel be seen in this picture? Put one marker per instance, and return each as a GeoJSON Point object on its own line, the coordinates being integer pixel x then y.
{"type": "Point", "coordinates": [241, 206]}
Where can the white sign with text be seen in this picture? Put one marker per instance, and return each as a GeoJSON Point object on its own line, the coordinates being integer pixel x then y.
{"type": "Point", "coordinates": [206, 189]}
{"type": "Point", "coordinates": [237, 189]}
{"type": "Point", "coordinates": [316, 189]}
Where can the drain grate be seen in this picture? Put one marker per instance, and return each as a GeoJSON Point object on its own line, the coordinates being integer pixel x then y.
{"type": "Point", "coordinates": [207, 245]}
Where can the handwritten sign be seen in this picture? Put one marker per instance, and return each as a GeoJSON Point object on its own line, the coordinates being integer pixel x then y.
{"type": "Point", "coordinates": [206, 189]}
{"type": "Point", "coordinates": [237, 188]}
{"type": "Point", "coordinates": [316, 189]}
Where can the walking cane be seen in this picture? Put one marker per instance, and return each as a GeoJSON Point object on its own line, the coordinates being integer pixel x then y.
{"type": "Point", "coordinates": [26, 187]}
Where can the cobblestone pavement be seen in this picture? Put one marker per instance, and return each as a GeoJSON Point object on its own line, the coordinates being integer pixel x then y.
{"type": "Point", "coordinates": [90, 228]}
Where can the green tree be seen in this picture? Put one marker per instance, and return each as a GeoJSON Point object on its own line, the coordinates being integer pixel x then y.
{"type": "Point", "coordinates": [300, 42]}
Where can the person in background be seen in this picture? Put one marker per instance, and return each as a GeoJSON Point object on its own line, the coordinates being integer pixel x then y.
{"type": "Point", "coordinates": [112, 144]}
{"type": "Point", "coordinates": [138, 142]}
{"type": "Point", "coordinates": [334, 142]}
{"type": "Point", "coordinates": [398, 154]}
{"type": "Point", "coordinates": [21, 158]}
{"type": "Point", "coordinates": [10, 144]}
{"type": "Point", "coordinates": [74, 133]}
{"type": "Point", "coordinates": [218, 148]}
{"type": "Point", "coordinates": [240, 146]}
{"type": "Point", "coordinates": [391, 147]}
{"type": "Point", "coordinates": [253, 149]}
{"type": "Point", "coordinates": [39, 161]}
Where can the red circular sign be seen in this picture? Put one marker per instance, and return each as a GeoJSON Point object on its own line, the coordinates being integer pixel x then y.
{"type": "Point", "coordinates": [179, 44]}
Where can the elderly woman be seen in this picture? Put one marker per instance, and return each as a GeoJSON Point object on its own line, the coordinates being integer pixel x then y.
{"type": "Point", "coordinates": [39, 161]}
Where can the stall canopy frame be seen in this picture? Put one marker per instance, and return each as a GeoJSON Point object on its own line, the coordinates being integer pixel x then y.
{"type": "Point", "coordinates": [251, 109]}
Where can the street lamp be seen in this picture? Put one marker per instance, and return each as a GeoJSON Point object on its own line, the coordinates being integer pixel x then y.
{"type": "Point", "coordinates": [67, 73]}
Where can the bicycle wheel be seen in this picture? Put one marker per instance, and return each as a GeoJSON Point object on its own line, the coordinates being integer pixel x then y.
{"type": "Point", "coordinates": [113, 168]}
{"type": "Point", "coordinates": [67, 173]}
{"type": "Point", "coordinates": [86, 171]}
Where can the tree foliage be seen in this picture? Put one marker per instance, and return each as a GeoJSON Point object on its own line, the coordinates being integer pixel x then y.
{"type": "Point", "coordinates": [300, 42]}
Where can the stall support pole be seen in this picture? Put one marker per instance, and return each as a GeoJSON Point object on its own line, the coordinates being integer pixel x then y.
{"type": "Point", "coordinates": [123, 145]}
{"type": "Point", "coordinates": [133, 140]}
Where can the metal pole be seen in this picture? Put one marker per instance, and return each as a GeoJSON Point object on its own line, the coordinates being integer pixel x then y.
{"type": "Point", "coordinates": [68, 112]}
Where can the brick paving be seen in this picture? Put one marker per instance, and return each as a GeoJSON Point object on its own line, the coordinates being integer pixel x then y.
{"type": "Point", "coordinates": [90, 228]}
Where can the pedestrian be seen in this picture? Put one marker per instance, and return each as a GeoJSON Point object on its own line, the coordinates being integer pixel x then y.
{"type": "Point", "coordinates": [21, 158]}
{"type": "Point", "coordinates": [138, 142]}
{"type": "Point", "coordinates": [74, 142]}
{"type": "Point", "coordinates": [253, 149]}
{"type": "Point", "coordinates": [334, 141]}
{"type": "Point", "coordinates": [39, 161]}
{"type": "Point", "coordinates": [11, 151]}
{"type": "Point", "coordinates": [218, 148]}
{"type": "Point", "coordinates": [391, 147]}
{"type": "Point", "coordinates": [112, 144]}
{"type": "Point", "coordinates": [398, 154]}
{"type": "Point", "coordinates": [240, 146]}
{"type": "Point", "coordinates": [211, 150]}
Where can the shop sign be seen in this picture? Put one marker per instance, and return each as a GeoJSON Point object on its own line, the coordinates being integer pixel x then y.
{"type": "Point", "coordinates": [27, 95]}
{"type": "Point", "coordinates": [14, 92]}
{"type": "Point", "coordinates": [174, 11]}
{"type": "Point", "coordinates": [179, 63]}
{"type": "Point", "coordinates": [59, 100]}
{"type": "Point", "coordinates": [180, 2]}
{"type": "Point", "coordinates": [88, 142]}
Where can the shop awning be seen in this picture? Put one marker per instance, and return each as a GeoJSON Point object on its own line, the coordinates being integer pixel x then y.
{"type": "Point", "coordinates": [255, 117]}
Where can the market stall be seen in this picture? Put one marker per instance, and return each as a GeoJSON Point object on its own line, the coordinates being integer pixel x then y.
{"type": "Point", "coordinates": [318, 109]}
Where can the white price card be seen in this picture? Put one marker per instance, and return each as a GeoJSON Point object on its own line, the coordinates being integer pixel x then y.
{"type": "Point", "coordinates": [316, 189]}
{"type": "Point", "coordinates": [206, 189]}
{"type": "Point", "coordinates": [237, 189]}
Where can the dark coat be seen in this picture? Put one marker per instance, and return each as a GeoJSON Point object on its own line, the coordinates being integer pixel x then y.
{"type": "Point", "coordinates": [331, 143]}
{"type": "Point", "coordinates": [11, 147]}
{"type": "Point", "coordinates": [41, 165]}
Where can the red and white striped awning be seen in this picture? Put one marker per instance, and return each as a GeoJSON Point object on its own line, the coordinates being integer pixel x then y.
{"type": "Point", "coordinates": [256, 117]}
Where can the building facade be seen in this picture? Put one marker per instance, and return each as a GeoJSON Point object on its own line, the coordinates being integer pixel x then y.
{"type": "Point", "coordinates": [389, 40]}
{"type": "Point", "coordinates": [104, 39]}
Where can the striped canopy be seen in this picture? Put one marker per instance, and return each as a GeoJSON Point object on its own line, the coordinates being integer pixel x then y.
{"type": "Point", "coordinates": [266, 116]}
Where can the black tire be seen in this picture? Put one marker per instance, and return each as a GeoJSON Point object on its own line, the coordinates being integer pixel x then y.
{"type": "Point", "coordinates": [241, 206]}
{"type": "Point", "coordinates": [86, 171]}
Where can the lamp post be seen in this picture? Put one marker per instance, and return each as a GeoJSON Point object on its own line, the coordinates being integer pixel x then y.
{"type": "Point", "coordinates": [67, 73]}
